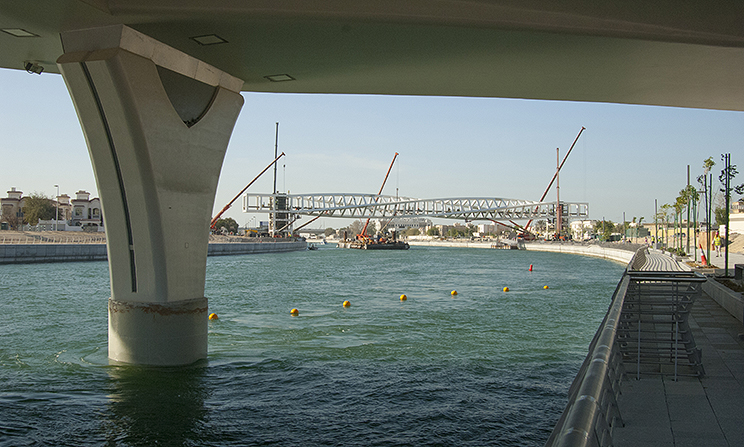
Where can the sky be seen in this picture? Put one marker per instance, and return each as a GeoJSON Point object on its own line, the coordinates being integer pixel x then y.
{"type": "Point", "coordinates": [628, 156]}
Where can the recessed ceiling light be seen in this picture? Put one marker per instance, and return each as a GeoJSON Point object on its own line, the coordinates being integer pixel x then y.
{"type": "Point", "coordinates": [18, 32]}
{"type": "Point", "coordinates": [279, 78]}
{"type": "Point", "coordinates": [208, 39]}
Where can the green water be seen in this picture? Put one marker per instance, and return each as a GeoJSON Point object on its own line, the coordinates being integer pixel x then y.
{"type": "Point", "coordinates": [485, 367]}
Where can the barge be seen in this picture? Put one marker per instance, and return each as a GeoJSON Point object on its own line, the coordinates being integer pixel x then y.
{"type": "Point", "coordinates": [369, 244]}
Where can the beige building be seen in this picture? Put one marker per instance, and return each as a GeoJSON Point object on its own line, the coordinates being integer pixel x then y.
{"type": "Point", "coordinates": [82, 211]}
{"type": "Point", "coordinates": [736, 217]}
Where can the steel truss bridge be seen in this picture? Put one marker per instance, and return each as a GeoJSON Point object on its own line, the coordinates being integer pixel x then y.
{"type": "Point", "coordinates": [357, 206]}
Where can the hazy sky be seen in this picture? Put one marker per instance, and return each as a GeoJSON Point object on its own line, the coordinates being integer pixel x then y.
{"type": "Point", "coordinates": [449, 147]}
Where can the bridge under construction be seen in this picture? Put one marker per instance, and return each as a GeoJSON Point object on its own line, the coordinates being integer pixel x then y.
{"type": "Point", "coordinates": [355, 206]}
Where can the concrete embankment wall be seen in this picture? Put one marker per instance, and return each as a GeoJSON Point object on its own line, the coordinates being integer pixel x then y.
{"type": "Point", "coordinates": [732, 301]}
{"type": "Point", "coordinates": [32, 253]}
{"type": "Point", "coordinates": [36, 253]}
{"type": "Point", "coordinates": [216, 249]}
{"type": "Point", "coordinates": [463, 244]}
{"type": "Point", "coordinates": [613, 254]}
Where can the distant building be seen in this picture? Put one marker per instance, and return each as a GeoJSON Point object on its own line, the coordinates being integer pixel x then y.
{"type": "Point", "coordinates": [582, 229]}
{"type": "Point", "coordinates": [401, 224]}
{"type": "Point", "coordinates": [738, 207]}
{"type": "Point", "coordinates": [11, 209]}
{"type": "Point", "coordinates": [736, 217]}
{"type": "Point", "coordinates": [86, 211]}
{"type": "Point", "coordinates": [82, 211]}
{"type": "Point", "coordinates": [495, 229]}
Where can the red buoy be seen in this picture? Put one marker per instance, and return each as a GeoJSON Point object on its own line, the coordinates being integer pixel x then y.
{"type": "Point", "coordinates": [530, 267]}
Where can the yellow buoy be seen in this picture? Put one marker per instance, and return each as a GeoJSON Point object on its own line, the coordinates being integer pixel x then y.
{"type": "Point", "coordinates": [506, 289]}
{"type": "Point", "coordinates": [294, 312]}
{"type": "Point", "coordinates": [213, 316]}
{"type": "Point", "coordinates": [453, 293]}
{"type": "Point", "coordinates": [403, 297]}
{"type": "Point", "coordinates": [346, 304]}
{"type": "Point", "coordinates": [545, 287]}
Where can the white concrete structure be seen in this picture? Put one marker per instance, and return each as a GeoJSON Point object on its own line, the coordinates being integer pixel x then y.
{"type": "Point", "coordinates": [157, 123]}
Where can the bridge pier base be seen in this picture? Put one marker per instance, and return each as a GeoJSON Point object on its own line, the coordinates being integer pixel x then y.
{"type": "Point", "coordinates": [157, 123]}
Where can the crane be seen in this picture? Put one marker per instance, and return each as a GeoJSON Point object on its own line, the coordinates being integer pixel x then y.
{"type": "Point", "coordinates": [526, 227]}
{"type": "Point", "coordinates": [216, 218]}
{"type": "Point", "coordinates": [364, 230]}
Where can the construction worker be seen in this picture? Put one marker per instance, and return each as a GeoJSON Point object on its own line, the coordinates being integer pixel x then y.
{"type": "Point", "coordinates": [717, 244]}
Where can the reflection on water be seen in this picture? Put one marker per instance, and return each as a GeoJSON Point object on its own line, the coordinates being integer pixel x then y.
{"type": "Point", "coordinates": [147, 406]}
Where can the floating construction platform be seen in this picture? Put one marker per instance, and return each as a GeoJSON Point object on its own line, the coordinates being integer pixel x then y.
{"type": "Point", "coordinates": [371, 245]}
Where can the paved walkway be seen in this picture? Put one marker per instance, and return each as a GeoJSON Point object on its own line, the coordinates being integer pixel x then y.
{"type": "Point", "coordinates": [660, 412]}
{"type": "Point", "coordinates": [720, 261]}
{"type": "Point", "coordinates": [658, 262]}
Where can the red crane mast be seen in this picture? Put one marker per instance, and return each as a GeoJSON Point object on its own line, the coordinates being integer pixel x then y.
{"type": "Point", "coordinates": [364, 230]}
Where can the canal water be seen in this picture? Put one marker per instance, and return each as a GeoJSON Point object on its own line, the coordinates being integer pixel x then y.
{"type": "Point", "coordinates": [484, 367]}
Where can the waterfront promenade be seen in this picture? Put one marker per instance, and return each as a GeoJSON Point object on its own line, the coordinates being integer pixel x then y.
{"type": "Point", "coordinates": [661, 412]}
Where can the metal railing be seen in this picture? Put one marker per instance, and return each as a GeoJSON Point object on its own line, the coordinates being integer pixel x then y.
{"type": "Point", "coordinates": [352, 205]}
{"type": "Point", "coordinates": [654, 333]}
{"type": "Point", "coordinates": [38, 240]}
{"type": "Point", "coordinates": [646, 325]}
{"type": "Point", "coordinates": [592, 409]}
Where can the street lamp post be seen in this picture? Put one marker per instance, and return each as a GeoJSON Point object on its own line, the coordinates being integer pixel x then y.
{"type": "Point", "coordinates": [56, 210]}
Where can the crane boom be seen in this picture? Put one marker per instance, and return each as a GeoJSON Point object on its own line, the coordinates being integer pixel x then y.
{"type": "Point", "coordinates": [526, 227]}
{"type": "Point", "coordinates": [214, 220]}
{"type": "Point", "coordinates": [364, 230]}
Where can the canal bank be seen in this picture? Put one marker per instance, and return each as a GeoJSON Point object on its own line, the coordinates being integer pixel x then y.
{"type": "Point", "coordinates": [622, 253]}
{"type": "Point", "coordinates": [46, 252]}
{"type": "Point", "coordinates": [644, 401]}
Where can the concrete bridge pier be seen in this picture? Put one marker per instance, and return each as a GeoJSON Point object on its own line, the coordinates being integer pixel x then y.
{"type": "Point", "coordinates": [157, 123]}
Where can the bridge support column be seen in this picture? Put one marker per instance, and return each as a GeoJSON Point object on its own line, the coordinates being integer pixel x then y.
{"type": "Point", "coordinates": [157, 123]}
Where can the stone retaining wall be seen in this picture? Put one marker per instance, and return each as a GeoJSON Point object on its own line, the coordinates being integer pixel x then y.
{"type": "Point", "coordinates": [245, 248]}
{"type": "Point", "coordinates": [613, 254]}
{"type": "Point", "coordinates": [32, 253]}
{"type": "Point", "coordinates": [37, 253]}
{"type": "Point", "coordinates": [732, 301]}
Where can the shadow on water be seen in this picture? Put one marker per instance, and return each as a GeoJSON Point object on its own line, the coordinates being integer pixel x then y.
{"type": "Point", "coordinates": [155, 406]}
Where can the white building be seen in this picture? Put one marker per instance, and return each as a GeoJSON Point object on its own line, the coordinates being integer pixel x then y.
{"type": "Point", "coordinates": [582, 229]}
{"type": "Point", "coordinates": [401, 224]}
{"type": "Point", "coordinates": [493, 228]}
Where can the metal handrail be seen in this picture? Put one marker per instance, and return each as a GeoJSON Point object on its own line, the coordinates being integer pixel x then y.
{"type": "Point", "coordinates": [638, 260]}
{"type": "Point", "coordinates": [42, 240]}
{"type": "Point", "coordinates": [664, 297]}
{"type": "Point", "coordinates": [586, 420]}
